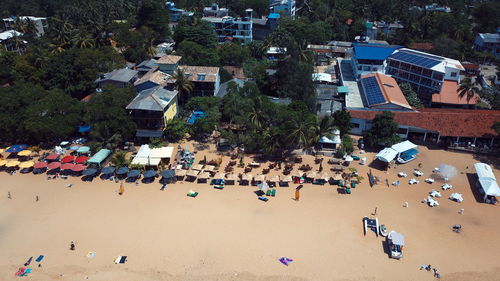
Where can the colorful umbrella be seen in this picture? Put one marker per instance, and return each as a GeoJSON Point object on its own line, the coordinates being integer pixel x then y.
{"type": "Point", "coordinates": [83, 149]}
{"type": "Point", "coordinates": [68, 159]}
{"type": "Point", "coordinates": [13, 163]}
{"type": "Point", "coordinates": [40, 165]}
{"type": "Point", "coordinates": [52, 156]}
{"type": "Point", "coordinates": [75, 147]}
{"type": "Point", "coordinates": [67, 166]}
{"type": "Point", "coordinates": [24, 153]}
{"type": "Point", "coordinates": [81, 159]}
{"type": "Point", "coordinates": [54, 165]}
{"type": "Point", "coordinates": [3, 162]}
{"type": "Point", "coordinates": [16, 148]}
{"type": "Point", "coordinates": [79, 168]}
{"type": "Point", "coordinates": [26, 164]}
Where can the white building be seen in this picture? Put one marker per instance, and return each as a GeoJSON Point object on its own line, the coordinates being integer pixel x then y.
{"type": "Point", "coordinates": [232, 29]}
{"type": "Point", "coordinates": [40, 24]}
{"type": "Point", "coordinates": [7, 41]}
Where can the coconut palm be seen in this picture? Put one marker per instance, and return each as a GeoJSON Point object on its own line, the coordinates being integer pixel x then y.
{"type": "Point", "coordinates": [82, 39]}
{"type": "Point", "coordinates": [302, 133]}
{"type": "Point", "coordinates": [468, 89]}
{"type": "Point", "coordinates": [255, 115]}
{"type": "Point", "coordinates": [182, 84]}
{"type": "Point", "coordinates": [119, 159]}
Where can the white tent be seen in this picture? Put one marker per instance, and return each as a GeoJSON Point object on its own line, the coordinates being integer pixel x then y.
{"type": "Point", "coordinates": [487, 179]}
{"type": "Point", "coordinates": [387, 154]}
{"type": "Point", "coordinates": [403, 146]}
{"type": "Point", "coordinates": [142, 156]}
{"type": "Point", "coordinates": [324, 139]}
{"type": "Point", "coordinates": [159, 153]}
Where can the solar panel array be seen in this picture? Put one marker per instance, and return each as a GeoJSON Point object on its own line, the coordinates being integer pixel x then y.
{"type": "Point", "coordinates": [373, 92]}
{"type": "Point", "coordinates": [416, 59]}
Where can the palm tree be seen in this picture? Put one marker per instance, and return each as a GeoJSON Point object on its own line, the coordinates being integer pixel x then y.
{"type": "Point", "coordinates": [468, 89]}
{"type": "Point", "coordinates": [301, 133]}
{"type": "Point", "coordinates": [182, 84]}
{"type": "Point", "coordinates": [119, 159]}
{"type": "Point", "coordinates": [82, 40]}
{"type": "Point", "coordinates": [151, 49]}
{"type": "Point", "coordinates": [255, 116]}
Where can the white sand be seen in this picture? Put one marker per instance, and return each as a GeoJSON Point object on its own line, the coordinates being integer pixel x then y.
{"type": "Point", "coordinates": [230, 235]}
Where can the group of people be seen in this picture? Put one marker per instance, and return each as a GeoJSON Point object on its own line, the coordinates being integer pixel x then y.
{"type": "Point", "coordinates": [428, 267]}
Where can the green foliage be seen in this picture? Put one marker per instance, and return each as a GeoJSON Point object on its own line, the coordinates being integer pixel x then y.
{"type": "Point", "coordinates": [155, 143]}
{"type": "Point", "coordinates": [496, 127]}
{"type": "Point", "coordinates": [153, 15]}
{"type": "Point", "coordinates": [224, 75]}
{"type": "Point", "coordinates": [175, 130]}
{"type": "Point", "coordinates": [204, 104]}
{"type": "Point", "coordinates": [340, 153]}
{"type": "Point", "coordinates": [200, 33]}
{"type": "Point", "coordinates": [195, 54]}
{"type": "Point", "coordinates": [182, 84]}
{"type": "Point", "coordinates": [383, 130]}
{"type": "Point", "coordinates": [119, 159]}
{"type": "Point", "coordinates": [492, 95]}
{"type": "Point", "coordinates": [468, 89]}
{"type": "Point", "coordinates": [410, 95]}
{"type": "Point", "coordinates": [487, 16]}
{"type": "Point", "coordinates": [342, 120]}
{"type": "Point", "coordinates": [347, 144]}
{"type": "Point", "coordinates": [107, 115]}
{"type": "Point", "coordinates": [233, 54]}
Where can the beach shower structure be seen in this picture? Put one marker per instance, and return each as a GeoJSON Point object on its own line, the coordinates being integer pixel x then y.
{"type": "Point", "coordinates": [404, 152]}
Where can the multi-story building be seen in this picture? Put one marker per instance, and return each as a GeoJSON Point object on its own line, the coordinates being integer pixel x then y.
{"type": "Point", "coordinates": [285, 7]}
{"type": "Point", "coordinates": [205, 79]}
{"type": "Point", "coordinates": [373, 28]}
{"type": "Point", "coordinates": [488, 42]}
{"type": "Point", "coordinates": [369, 58]}
{"type": "Point", "coordinates": [40, 24]}
{"type": "Point", "coordinates": [118, 77]}
{"type": "Point", "coordinates": [426, 73]}
{"type": "Point", "coordinates": [262, 27]}
{"type": "Point", "coordinates": [176, 14]}
{"type": "Point", "coordinates": [232, 29]}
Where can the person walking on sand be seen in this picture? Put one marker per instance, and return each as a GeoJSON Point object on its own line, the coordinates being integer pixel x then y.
{"type": "Point", "coordinates": [72, 246]}
{"type": "Point", "coordinates": [36, 200]}
{"type": "Point", "coordinates": [8, 195]}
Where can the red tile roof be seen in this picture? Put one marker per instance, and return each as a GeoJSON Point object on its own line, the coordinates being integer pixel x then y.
{"type": "Point", "coordinates": [449, 95]}
{"type": "Point", "coordinates": [447, 122]}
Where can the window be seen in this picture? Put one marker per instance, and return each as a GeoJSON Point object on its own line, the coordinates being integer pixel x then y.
{"type": "Point", "coordinates": [201, 77]}
{"type": "Point", "coordinates": [453, 74]}
{"type": "Point", "coordinates": [355, 125]}
{"type": "Point", "coordinates": [402, 131]}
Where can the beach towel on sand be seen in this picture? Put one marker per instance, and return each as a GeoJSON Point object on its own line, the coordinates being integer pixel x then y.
{"type": "Point", "coordinates": [285, 261]}
{"type": "Point", "coordinates": [40, 258]}
{"type": "Point", "coordinates": [28, 271]}
{"type": "Point", "coordinates": [20, 271]}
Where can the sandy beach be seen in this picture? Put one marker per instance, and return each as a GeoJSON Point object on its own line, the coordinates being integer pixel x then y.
{"type": "Point", "coordinates": [230, 235]}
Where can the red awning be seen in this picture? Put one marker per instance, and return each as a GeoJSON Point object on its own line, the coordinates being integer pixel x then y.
{"type": "Point", "coordinates": [79, 167]}
{"type": "Point", "coordinates": [40, 165]}
{"type": "Point", "coordinates": [81, 159]}
{"type": "Point", "coordinates": [52, 156]}
{"type": "Point", "coordinates": [67, 159]}
{"type": "Point", "coordinates": [67, 166]}
{"type": "Point", "coordinates": [54, 165]}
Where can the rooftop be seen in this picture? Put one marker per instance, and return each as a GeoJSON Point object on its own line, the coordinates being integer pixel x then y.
{"type": "Point", "coordinates": [365, 51]}
{"type": "Point", "coordinates": [353, 98]}
{"type": "Point", "coordinates": [169, 59]}
{"type": "Point", "coordinates": [201, 73]}
{"type": "Point", "coordinates": [447, 122]}
{"type": "Point", "coordinates": [490, 37]}
{"type": "Point", "coordinates": [156, 77]}
{"type": "Point", "coordinates": [154, 99]}
{"type": "Point", "coordinates": [449, 95]}
{"type": "Point", "coordinates": [422, 46]}
{"type": "Point", "coordinates": [9, 34]}
{"type": "Point", "coordinates": [273, 16]}
{"type": "Point", "coordinates": [124, 75]}
{"type": "Point", "coordinates": [382, 89]}
{"type": "Point", "coordinates": [147, 64]}
{"type": "Point", "coordinates": [236, 72]}
{"type": "Point", "coordinates": [426, 60]}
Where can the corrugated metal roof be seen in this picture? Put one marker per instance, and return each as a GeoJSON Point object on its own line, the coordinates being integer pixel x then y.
{"type": "Point", "coordinates": [373, 51]}
{"type": "Point", "coordinates": [154, 99]}
{"type": "Point", "coordinates": [124, 75]}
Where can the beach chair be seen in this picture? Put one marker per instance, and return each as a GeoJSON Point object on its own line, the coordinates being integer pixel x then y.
{"type": "Point", "coordinates": [192, 194]}
{"type": "Point", "coordinates": [268, 192]}
{"type": "Point", "coordinates": [220, 187]}
{"type": "Point", "coordinates": [273, 192]}
{"type": "Point", "coordinates": [262, 198]}
{"type": "Point", "coordinates": [348, 190]}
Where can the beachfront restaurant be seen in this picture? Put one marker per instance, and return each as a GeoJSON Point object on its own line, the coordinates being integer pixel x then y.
{"type": "Point", "coordinates": [403, 152]}
{"type": "Point", "coordinates": [99, 157]}
{"type": "Point", "coordinates": [487, 182]}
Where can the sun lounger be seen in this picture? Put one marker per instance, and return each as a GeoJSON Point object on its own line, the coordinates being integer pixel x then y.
{"type": "Point", "coordinates": [39, 259]}
{"type": "Point", "coordinates": [273, 192]}
{"type": "Point", "coordinates": [220, 187]}
{"type": "Point", "coordinates": [268, 192]}
{"type": "Point", "coordinates": [121, 259]}
{"type": "Point", "coordinates": [194, 194]}
{"type": "Point", "coordinates": [262, 198]}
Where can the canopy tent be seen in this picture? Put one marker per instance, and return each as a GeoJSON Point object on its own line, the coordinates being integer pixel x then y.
{"type": "Point", "coordinates": [40, 165]}
{"type": "Point", "coordinates": [286, 179]}
{"type": "Point", "coordinates": [79, 168]}
{"type": "Point", "coordinates": [142, 156]}
{"type": "Point", "coordinates": [487, 180]}
{"type": "Point", "coordinates": [52, 157]}
{"type": "Point", "coordinates": [192, 173]}
{"type": "Point", "coordinates": [327, 140]}
{"type": "Point", "coordinates": [387, 155]}
{"type": "Point", "coordinates": [16, 148]}
{"type": "Point", "coordinates": [397, 238]}
{"type": "Point", "coordinates": [109, 170]}
{"type": "Point", "coordinates": [204, 175]}
{"type": "Point", "coordinates": [68, 159]}
{"type": "Point", "coordinates": [83, 149]}
{"type": "Point", "coordinates": [208, 168]}
{"type": "Point", "coordinates": [157, 154]}
{"type": "Point", "coordinates": [274, 179]}
{"type": "Point", "coordinates": [404, 146]}
{"type": "Point", "coordinates": [54, 165]}
{"type": "Point", "coordinates": [99, 157]}
{"type": "Point", "coordinates": [219, 176]}
{"type": "Point", "coordinates": [181, 173]}
{"type": "Point", "coordinates": [26, 164]}
{"type": "Point", "coordinates": [81, 159]}
{"type": "Point", "coordinates": [24, 153]}
{"type": "Point", "coordinates": [311, 175]}
{"type": "Point", "coordinates": [197, 167]}
{"type": "Point", "coordinates": [3, 162]}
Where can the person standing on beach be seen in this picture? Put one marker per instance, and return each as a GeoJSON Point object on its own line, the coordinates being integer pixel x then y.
{"type": "Point", "coordinates": [72, 246]}
{"type": "Point", "coordinates": [37, 198]}
{"type": "Point", "coordinates": [8, 195]}
{"type": "Point", "coordinates": [297, 192]}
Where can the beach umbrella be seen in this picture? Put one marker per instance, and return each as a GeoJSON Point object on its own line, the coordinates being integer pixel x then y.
{"type": "Point", "coordinates": [83, 149]}
{"type": "Point", "coordinates": [67, 166]}
{"type": "Point", "coordinates": [81, 159]}
{"type": "Point", "coordinates": [150, 174]}
{"type": "Point", "coordinates": [79, 168]}
{"type": "Point", "coordinates": [68, 159]}
{"type": "Point", "coordinates": [52, 156]}
{"type": "Point", "coordinates": [89, 172]}
{"type": "Point", "coordinates": [54, 165]}
{"type": "Point", "coordinates": [74, 147]}
{"type": "Point", "coordinates": [108, 170]}
{"type": "Point", "coordinates": [26, 164]}
{"type": "Point", "coordinates": [16, 148]}
{"type": "Point", "coordinates": [122, 171]}
{"type": "Point", "coordinates": [40, 165]}
{"type": "Point", "coordinates": [64, 143]}
{"type": "Point", "coordinates": [13, 163]}
{"type": "Point", "coordinates": [3, 162]}
{"type": "Point", "coordinates": [134, 173]}
{"type": "Point", "coordinates": [24, 153]}
{"type": "Point", "coordinates": [168, 174]}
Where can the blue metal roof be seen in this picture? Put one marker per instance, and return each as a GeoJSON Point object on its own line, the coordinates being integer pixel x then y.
{"type": "Point", "coordinates": [373, 51]}
{"type": "Point", "coordinates": [423, 60]}
{"type": "Point", "coordinates": [372, 90]}
{"type": "Point", "coordinates": [273, 16]}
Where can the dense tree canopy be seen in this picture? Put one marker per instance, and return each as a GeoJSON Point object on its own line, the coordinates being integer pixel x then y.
{"type": "Point", "coordinates": [383, 130]}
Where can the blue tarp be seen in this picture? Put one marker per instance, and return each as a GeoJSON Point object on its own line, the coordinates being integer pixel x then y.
{"type": "Point", "coordinates": [84, 129]}
{"type": "Point", "coordinates": [373, 51]}
{"type": "Point", "coordinates": [195, 115]}
{"type": "Point", "coordinates": [17, 148]}
{"type": "Point", "coordinates": [273, 16]}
